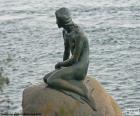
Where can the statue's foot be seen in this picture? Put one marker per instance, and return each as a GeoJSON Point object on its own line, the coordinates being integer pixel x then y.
{"type": "Point", "coordinates": [86, 96]}
{"type": "Point", "coordinates": [90, 101]}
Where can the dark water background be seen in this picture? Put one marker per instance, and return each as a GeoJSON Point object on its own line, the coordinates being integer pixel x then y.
{"type": "Point", "coordinates": [31, 44]}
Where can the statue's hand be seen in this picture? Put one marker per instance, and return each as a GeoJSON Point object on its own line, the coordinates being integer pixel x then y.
{"type": "Point", "coordinates": [58, 65]}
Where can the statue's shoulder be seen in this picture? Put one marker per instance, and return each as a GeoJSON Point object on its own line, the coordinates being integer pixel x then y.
{"type": "Point", "coordinates": [77, 29]}
{"type": "Point", "coordinates": [78, 32]}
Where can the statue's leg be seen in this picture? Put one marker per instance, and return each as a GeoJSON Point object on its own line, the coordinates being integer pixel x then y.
{"type": "Point", "coordinates": [64, 85]}
{"type": "Point", "coordinates": [62, 79]}
{"type": "Point", "coordinates": [47, 75]}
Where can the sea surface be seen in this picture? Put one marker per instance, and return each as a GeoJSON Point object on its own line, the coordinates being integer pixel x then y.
{"type": "Point", "coordinates": [31, 44]}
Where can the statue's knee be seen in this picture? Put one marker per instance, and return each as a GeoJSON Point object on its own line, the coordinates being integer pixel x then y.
{"type": "Point", "coordinates": [52, 82]}
{"type": "Point", "coordinates": [49, 81]}
{"type": "Point", "coordinates": [45, 79]}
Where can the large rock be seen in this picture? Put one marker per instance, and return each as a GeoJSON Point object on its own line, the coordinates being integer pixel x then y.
{"type": "Point", "coordinates": [50, 102]}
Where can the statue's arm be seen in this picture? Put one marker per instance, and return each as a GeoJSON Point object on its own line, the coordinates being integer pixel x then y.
{"type": "Point", "coordinates": [76, 54]}
{"type": "Point", "coordinates": [66, 49]}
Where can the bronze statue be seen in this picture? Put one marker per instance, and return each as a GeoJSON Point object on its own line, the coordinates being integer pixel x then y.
{"type": "Point", "coordinates": [69, 74]}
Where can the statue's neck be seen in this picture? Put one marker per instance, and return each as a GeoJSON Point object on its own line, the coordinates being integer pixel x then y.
{"type": "Point", "coordinates": [69, 28]}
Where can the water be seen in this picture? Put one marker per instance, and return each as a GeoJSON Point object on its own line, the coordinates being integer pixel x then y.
{"type": "Point", "coordinates": [29, 37]}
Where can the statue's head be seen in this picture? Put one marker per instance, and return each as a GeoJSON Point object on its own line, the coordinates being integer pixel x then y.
{"type": "Point", "coordinates": [63, 17]}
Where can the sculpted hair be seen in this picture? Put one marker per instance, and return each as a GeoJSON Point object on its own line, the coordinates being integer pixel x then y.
{"type": "Point", "coordinates": [63, 15]}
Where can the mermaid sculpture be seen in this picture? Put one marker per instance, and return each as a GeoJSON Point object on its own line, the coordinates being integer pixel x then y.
{"type": "Point", "coordinates": [69, 74]}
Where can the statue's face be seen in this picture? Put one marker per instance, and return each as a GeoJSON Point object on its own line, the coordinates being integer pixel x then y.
{"type": "Point", "coordinates": [59, 23]}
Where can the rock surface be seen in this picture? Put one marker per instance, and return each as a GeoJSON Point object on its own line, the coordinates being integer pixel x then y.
{"type": "Point", "coordinates": [50, 102]}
